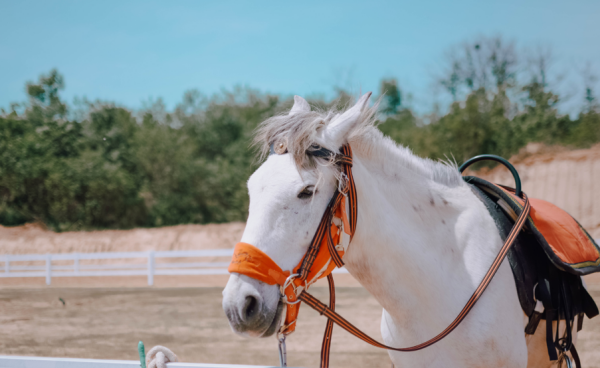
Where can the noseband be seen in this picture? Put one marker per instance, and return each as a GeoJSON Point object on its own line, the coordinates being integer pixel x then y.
{"type": "Point", "coordinates": [325, 252]}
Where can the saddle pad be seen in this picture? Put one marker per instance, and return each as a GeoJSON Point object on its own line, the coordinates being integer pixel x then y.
{"type": "Point", "coordinates": [565, 242]}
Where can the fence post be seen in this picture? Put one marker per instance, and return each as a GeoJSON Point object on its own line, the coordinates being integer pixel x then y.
{"type": "Point", "coordinates": [48, 268]}
{"type": "Point", "coordinates": [151, 268]}
{"type": "Point", "coordinates": [76, 264]}
{"type": "Point", "coordinates": [6, 264]}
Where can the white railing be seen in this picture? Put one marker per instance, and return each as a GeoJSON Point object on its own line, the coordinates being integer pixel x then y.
{"type": "Point", "coordinates": [38, 362]}
{"type": "Point", "coordinates": [144, 264]}
{"type": "Point", "coordinates": [129, 264]}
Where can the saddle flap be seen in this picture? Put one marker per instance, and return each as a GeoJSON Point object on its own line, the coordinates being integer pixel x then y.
{"type": "Point", "coordinates": [567, 239]}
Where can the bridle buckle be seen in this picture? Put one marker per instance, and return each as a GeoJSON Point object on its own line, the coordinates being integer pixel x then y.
{"type": "Point", "coordinates": [289, 282]}
{"type": "Point", "coordinates": [343, 184]}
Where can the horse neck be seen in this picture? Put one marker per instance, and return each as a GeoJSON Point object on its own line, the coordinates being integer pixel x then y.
{"type": "Point", "coordinates": [413, 249]}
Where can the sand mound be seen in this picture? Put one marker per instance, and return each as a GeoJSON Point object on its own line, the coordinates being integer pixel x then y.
{"type": "Point", "coordinates": [34, 238]}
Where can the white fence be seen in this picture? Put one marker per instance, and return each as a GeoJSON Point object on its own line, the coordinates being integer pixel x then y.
{"type": "Point", "coordinates": [124, 264]}
{"type": "Point", "coordinates": [35, 362]}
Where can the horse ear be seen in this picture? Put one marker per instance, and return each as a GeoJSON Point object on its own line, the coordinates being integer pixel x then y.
{"type": "Point", "coordinates": [300, 105]}
{"type": "Point", "coordinates": [340, 127]}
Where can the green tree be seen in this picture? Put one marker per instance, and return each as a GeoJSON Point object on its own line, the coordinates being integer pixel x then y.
{"type": "Point", "coordinates": [392, 96]}
{"type": "Point", "coordinates": [111, 167]}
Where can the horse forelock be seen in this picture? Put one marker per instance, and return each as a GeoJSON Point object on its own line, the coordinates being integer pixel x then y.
{"type": "Point", "coordinates": [301, 130]}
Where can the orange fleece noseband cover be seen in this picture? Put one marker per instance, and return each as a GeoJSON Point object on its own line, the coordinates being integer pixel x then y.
{"type": "Point", "coordinates": [252, 262]}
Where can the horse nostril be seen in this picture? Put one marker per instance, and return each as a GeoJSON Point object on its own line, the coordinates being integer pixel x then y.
{"type": "Point", "coordinates": [250, 308]}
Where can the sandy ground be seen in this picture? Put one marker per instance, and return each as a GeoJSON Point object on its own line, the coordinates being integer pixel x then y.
{"type": "Point", "coordinates": [106, 323]}
{"type": "Point", "coordinates": [344, 280]}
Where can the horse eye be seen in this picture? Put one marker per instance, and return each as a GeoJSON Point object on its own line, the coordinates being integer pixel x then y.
{"type": "Point", "coordinates": [307, 192]}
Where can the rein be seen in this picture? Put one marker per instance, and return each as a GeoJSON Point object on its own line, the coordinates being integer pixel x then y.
{"type": "Point", "coordinates": [325, 253]}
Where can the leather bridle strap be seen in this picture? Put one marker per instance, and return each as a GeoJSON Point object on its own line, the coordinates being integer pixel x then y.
{"type": "Point", "coordinates": [326, 346]}
{"type": "Point", "coordinates": [348, 189]}
{"type": "Point", "coordinates": [334, 317]}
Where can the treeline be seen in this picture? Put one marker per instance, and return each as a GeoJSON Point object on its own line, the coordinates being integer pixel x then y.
{"type": "Point", "coordinates": [114, 168]}
{"type": "Point", "coordinates": [105, 166]}
{"type": "Point", "coordinates": [501, 102]}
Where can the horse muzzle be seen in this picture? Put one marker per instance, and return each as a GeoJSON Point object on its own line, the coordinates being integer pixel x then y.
{"type": "Point", "coordinates": [253, 308]}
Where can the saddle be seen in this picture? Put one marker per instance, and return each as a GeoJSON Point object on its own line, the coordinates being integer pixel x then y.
{"type": "Point", "coordinates": [548, 258]}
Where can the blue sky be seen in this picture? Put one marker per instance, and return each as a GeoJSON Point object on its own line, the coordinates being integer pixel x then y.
{"type": "Point", "coordinates": [131, 51]}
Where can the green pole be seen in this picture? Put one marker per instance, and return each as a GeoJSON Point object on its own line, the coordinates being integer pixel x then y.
{"type": "Point", "coordinates": [142, 353]}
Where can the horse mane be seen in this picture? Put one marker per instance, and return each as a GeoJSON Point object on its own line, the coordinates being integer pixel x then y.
{"type": "Point", "coordinates": [376, 146]}
{"type": "Point", "coordinates": [302, 130]}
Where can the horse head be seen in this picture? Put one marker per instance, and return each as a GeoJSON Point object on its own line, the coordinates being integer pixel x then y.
{"type": "Point", "coordinates": [288, 196]}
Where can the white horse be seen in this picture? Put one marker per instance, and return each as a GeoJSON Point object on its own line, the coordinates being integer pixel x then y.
{"type": "Point", "coordinates": [422, 245]}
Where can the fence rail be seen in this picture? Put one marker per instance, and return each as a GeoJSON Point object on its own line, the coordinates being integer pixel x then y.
{"type": "Point", "coordinates": [144, 264]}
{"type": "Point", "coordinates": [39, 362]}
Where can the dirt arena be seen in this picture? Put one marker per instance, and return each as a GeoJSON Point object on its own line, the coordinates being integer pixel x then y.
{"type": "Point", "coordinates": [106, 323]}
{"type": "Point", "coordinates": [105, 317]}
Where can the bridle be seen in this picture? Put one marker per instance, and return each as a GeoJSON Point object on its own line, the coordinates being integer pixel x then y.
{"type": "Point", "coordinates": [325, 253]}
